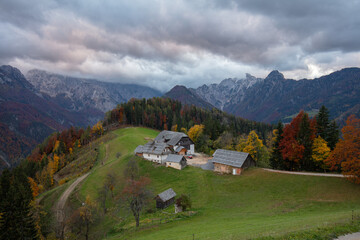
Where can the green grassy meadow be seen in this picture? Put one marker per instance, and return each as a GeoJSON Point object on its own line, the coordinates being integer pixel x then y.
{"type": "Point", "coordinates": [255, 204]}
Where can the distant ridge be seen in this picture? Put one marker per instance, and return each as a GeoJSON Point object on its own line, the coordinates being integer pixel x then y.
{"type": "Point", "coordinates": [277, 98]}
{"type": "Point", "coordinates": [77, 94]}
{"type": "Point", "coordinates": [186, 96]}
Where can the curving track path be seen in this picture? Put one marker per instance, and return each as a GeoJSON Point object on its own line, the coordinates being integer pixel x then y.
{"type": "Point", "coordinates": [60, 206]}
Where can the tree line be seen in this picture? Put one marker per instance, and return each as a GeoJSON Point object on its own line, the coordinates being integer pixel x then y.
{"type": "Point", "coordinates": [314, 145]}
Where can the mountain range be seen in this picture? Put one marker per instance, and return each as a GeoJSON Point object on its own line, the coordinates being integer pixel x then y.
{"type": "Point", "coordinates": [33, 107]}
{"type": "Point", "coordinates": [276, 98]}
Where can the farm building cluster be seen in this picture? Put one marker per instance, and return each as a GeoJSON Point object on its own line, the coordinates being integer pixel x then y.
{"type": "Point", "coordinates": [169, 149]}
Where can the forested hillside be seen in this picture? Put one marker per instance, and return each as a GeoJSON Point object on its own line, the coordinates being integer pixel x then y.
{"type": "Point", "coordinates": [160, 113]}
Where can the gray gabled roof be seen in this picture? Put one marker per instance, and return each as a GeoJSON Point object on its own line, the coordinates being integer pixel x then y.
{"type": "Point", "coordinates": [167, 195]}
{"type": "Point", "coordinates": [170, 137]}
{"type": "Point", "coordinates": [152, 147]}
{"type": "Point", "coordinates": [174, 158]}
{"type": "Point", "coordinates": [139, 149]}
{"type": "Point", "coordinates": [228, 157]}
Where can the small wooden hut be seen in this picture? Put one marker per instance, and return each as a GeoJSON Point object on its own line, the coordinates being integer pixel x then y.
{"type": "Point", "coordinates": [165, 199]}
{"type": "Point", "coordinates": [176, 161]}
{"type": "Point", "coordinates": [231, 162]}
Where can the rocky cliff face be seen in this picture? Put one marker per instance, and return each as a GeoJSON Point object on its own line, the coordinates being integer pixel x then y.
{"type": "Point", "coordinates": [77, 94]}
{"type": "Point", "coordinates": [227, 92]}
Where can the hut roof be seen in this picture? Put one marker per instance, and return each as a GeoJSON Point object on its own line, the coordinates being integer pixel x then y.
{"type": "Point", "coordinates": [174, 158]}
{"type": "Point", "coordinates": [228, 157]}
{"type": "Point", "coordinates": [170, 137]}
{"type": "Point", "coordinates": [167, 195]}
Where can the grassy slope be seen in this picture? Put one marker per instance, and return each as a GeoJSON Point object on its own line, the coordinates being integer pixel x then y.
{"type": "Point", "coordinates": [255, 204]}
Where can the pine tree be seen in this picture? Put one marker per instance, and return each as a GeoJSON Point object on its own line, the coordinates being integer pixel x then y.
{"type": "Point", "coordinates": [305, 138]}
{"type": "Point", "coordinates": [276, 159]}
{"type": "Point", "coordinates": [325, 129]}
{"type": "Point", "coordinates": [333, 136]}
{"type": "Point", "coordinates": [322, 120]}
{"type": "Point", "coordinates": [15, 197]}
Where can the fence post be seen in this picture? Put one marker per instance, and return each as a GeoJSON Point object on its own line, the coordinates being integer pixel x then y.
{"type": "Point", "coordinates": [193, 236]}
{"type": "Point", "coordinates": [352, 216]}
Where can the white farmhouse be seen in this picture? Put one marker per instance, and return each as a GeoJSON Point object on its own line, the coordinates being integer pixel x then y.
{"type": "Point", "coordinates": [153, 151]}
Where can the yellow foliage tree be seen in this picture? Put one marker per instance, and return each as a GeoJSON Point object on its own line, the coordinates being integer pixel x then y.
{"type": "Point", "coordinates": [183, 130]}
{"type": "Point", "coordinates": [195, 132]}
{"type": "Point", "coordinates": [320, 151]}
{"type": "Point", "coordinates": [98, 128]}
{"type": "Point", "coordinates": [50, 172]}
{"type": "Point", "coordinates": [254, 146]}
{"type": "Point", "coordinates": [56, 146]}
{"type": "Point", "coordinates": [34, 187]}
{"type": "Point", "coordinates": [55, 163]}
{"type": "Point", "coordinates": [174, 128]}
{"type": "Point", "coordinates": [241, 144]}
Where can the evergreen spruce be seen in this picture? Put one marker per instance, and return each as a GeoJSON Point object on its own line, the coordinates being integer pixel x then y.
{"type": "Point", "coordinates": [322, 121]}
{"type": "Point", "coordinates": [327, 130]}
{"type": "Point", "coordinates": [333, 136]}
{"type": "Point", "coordinates": [15, 193]}
{"type": "Point", "coordinates": [276, 159]}
{"type": "Point", "coordinates": [305, 139]}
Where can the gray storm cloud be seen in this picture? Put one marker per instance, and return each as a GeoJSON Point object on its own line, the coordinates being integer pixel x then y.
{"type": "Point", "coordinates": [163, 43]}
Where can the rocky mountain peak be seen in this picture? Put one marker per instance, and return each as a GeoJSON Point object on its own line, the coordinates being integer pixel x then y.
{"type": "Point", "coordinates": [13, 77]}
{"type": "Point", "coordinates": [275, 75]}
{"type": "Point", "coordinates": [227, 83]}
{"type": "Point", "coordinates": [249, 76]}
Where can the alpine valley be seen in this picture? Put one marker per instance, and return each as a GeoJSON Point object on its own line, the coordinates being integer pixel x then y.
{"type": "Point", "coordinates": [40, 103]}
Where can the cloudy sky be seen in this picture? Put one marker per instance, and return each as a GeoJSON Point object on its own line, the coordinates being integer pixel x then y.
{"type": "Point", "coordinates": [163, 43]}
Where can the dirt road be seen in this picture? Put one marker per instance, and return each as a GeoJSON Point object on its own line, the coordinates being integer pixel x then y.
{"type": "Point", "coordinates": [60, 206]}
{"type": "Point", "coordinates": [306, 173]}
{"type": "Point", "coordinates": [353, 236]}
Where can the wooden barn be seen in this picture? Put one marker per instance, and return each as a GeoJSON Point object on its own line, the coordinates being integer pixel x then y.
{"type": "Point", "coordinates": [176, 161]}
{"type": "Point", "coordinates": [231, 162]}
{"type": "Point", "coordinates": [165, 199]}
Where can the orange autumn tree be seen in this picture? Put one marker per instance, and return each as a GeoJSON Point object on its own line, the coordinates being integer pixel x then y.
{"type": "Point", "coordinates": [346, 155]}
{"type": "Point", "coordinates": [296, 144]}
{"type": "Point", "coordinates": [292, 152]}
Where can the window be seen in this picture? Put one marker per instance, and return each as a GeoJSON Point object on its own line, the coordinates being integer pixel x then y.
{"type": "Point", "coordinates": [157, 156]}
